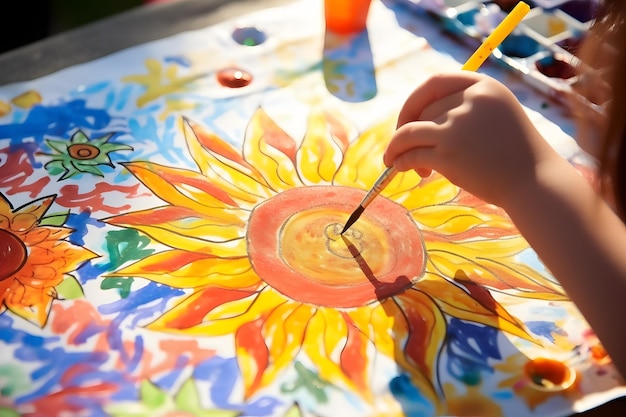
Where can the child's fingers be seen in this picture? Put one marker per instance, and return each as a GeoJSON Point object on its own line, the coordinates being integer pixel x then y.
{"type": "Point", "coordinates": [421, 134]}
{"type": "Point", "coordinates": [419, 159]}
{"type": "Point", "coordinates": [433, 89]}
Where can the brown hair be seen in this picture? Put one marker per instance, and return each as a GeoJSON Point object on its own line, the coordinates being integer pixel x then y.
{"type": "Point", "coordinates": [604, 51]}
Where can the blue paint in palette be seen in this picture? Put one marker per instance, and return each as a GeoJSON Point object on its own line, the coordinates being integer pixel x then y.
{"type": "Point", "coordinates": [519, 46]}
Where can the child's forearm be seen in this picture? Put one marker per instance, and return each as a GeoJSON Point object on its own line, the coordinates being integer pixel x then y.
{"type": "Point", "coordinates": [582, 242]}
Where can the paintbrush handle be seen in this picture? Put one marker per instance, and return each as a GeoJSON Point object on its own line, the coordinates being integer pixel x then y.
{"type": "Point", "coordinates": [382, 181]}
{"type": "Point", "coordinates": [497, 36]}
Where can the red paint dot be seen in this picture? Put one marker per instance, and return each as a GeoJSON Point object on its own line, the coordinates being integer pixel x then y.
{"type": "Point", "coordinates": [234, 77]}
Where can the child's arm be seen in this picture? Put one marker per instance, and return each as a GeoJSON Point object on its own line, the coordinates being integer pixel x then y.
{"type": "Point", "coordinates": [471, 129]}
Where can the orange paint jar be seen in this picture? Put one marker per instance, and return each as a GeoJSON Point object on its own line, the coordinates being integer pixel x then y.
{"type": "Point", "coordinates": [346, 16]}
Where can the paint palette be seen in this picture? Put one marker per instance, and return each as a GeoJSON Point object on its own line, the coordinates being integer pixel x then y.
{"type": "Point", "coordinates": [543, 48]}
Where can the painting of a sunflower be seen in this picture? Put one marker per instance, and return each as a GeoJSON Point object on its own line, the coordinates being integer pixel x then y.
{"type": "Point", "coordinates": [36, 258]}
{"type": "Point", "coordinates": [254, 240]}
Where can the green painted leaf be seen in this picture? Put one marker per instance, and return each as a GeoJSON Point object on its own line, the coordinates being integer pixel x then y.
{"type": "Point", "coordinates": [55, 219]}
{"type": "Point", "coordinates": [79, 137]}
{"type": "Point", "coordinates": [58, 145]}
{"type": "Point", "coordinates": [55, 167]}
{"type": "Point", "coordinates": [188, 400]}
{"type": "Point", "coordinates": [153, 397]}
{"type": "Point", "coordinates": [122, 284]}
{"type": "Point", "coordinates": [294, 411]}
{"type": "Point", "coordinates": [8, 412]}
{"type": "Point", "coordinates": [70, 288]}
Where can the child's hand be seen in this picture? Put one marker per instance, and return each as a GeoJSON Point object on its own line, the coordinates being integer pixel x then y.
{"type": "Point", "coordinates": [471, 129]}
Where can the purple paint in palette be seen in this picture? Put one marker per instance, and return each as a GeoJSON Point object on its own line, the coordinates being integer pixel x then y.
{"type": "Point", "coordinates": [555, 66]}
{"type": "Point", "coordinates": [572, 44]}
{"type": "Point", "coordinates": [582, 10]}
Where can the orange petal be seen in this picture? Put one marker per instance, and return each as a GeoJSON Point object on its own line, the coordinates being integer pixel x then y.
{"type": "Point", "coordinates": [252, 355]}
{"type": "Point", "coordinates": [191, 311]}
{"type": "Point", "coordinates": [471, 302]}
{"type": "Point", "coordinates": [180, 186]}
{"type": "Point", "coordinates": [427, 331]}
{"type": "Point", "coordinates": [354, 359]}
{"type": "Point", "coordinates": [268, 148]}
{"type": "Point", "coordinates": [224, 166]}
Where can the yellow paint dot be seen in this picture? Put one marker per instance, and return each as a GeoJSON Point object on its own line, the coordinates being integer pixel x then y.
{"type": "Point", "coordinates": [27, 99]}
{"type": "Point", "coordinates": [555, 26]}
{"type": "Point", "coordinates": [5, 108]}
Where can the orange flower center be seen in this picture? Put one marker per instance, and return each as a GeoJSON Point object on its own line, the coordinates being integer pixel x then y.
{"type": "Point", "coordinates": [295, 246]}
{"type": "Point", "coordinates": [12, 253]}
{"type": "Point", "coordinates": [83, 151]}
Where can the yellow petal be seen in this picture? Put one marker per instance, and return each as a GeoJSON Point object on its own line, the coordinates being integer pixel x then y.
{"type": "Point", "coordinates": [228, 317]}
{"type": "Point", "coordinates": [180, 269]}
{"type": "Point", "coordinates": [220, 247]}
{"type": "Point", "coordinates": [390, 327]}
{"type": "Point", "coordinates": [184, 188]}
{"type": "Point", "coordinates": [318, 155]}
{"type": "Point", "coordinates": [427, 331]}
{"type": "Point", "coordinates": [190, 312]}
{"type": "Point", "coordinates": [432, 191]}
{"type": "Point", "coordinates": [479, 307]}
{"type": "Point", "coordinates": [270, 150]}
{"type": "Point", "coordinates": [354, 360]}
{"type": "Point", "coordinates": [284, 331]}
{"type": "Point", "coordinates": [499, 271]}
{"type": "Point", "coordinates": [405, 187]}
{"type": "Point", "coordinates": [5, 211]}
{"type": "Point", "coordinates": [361, 317]}
{"type": "Point", "coordinates": [213, 225]}
{"type": "Point", "coordinates": [451, 219]}
{"type": "Point", "coordinates": [363, 161]}
{"type": "Point", "coordinates": [37, 308]}
{"type": "Point", "coordinates": [336, 332]}
{"type": "Point", "coordinates": [224, 167]}
{"type": "Point", "coordinates": [329, 369]}
{"type": "Point", "coordinates": [252, 355]}
{"type": "Point", "coordinates": [36, 208]}
{"type": "Point", "coordinates": [395, 329]}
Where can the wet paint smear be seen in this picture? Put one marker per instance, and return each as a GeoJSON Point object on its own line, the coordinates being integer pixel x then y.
{"type": "Point", "coordinates": [249, 36]}
{"type": "Point", "coordinates": [234, 77]}
{"type": "Point", "coordinates": [556, 67]}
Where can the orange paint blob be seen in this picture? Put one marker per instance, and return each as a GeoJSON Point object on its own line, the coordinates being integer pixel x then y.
{"type": "Point", "coordinates": [549, 374]}
{"type": "Point", "coordinates": [346, 16]}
